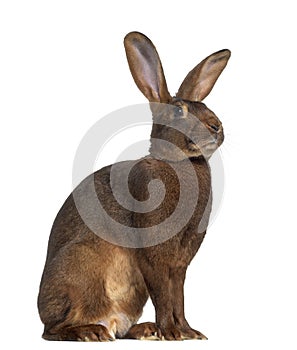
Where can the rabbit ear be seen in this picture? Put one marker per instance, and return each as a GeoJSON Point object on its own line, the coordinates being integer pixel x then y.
{"type": "Point", "coordinates": [200, 81]}
{"type": "Point", "coordinates": [146, 67]}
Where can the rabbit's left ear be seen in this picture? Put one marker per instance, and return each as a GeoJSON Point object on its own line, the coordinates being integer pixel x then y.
{"type": "Point", "coordinates": [146, 67]}
{"type": "Point", "coordinates": [200, 81]}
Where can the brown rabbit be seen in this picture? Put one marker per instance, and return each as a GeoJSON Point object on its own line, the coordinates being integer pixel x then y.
{"type": "Point", "coordinates": [93, 289]}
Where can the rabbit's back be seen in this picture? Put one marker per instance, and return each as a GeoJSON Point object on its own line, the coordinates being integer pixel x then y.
{"type": "Point", "coordinates": [106, 186]}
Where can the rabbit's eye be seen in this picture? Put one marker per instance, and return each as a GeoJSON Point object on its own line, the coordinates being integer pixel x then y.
{"type": "Point", "coordinates": [178, 111]}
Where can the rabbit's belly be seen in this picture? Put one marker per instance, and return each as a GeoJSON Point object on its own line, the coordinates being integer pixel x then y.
{"type": "Point", "coordinates": [125, 288]}
{"type": "Point", "coordinates": [126, 309]}
{"type": "Point", "coordinates": [117, 324]}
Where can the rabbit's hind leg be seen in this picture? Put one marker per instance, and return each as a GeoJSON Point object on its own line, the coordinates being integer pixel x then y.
{"type": "Point", "coordinates": [72, 297]}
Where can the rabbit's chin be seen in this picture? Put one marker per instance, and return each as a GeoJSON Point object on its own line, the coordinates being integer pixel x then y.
{"type": "Point", "coordinates": [206, 151]}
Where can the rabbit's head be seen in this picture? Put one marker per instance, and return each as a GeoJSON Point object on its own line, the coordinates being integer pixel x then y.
{"type": "Point", "coordinates": [183, 127]}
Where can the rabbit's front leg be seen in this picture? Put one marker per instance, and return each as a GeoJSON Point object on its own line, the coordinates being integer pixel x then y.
{"type": "Point", "coordinates": [165, 284]}
{"type": "Point", "coordinates": [177, 278]}
{"type": "Point", "coordinates": [159, 286]}
{"type": "Point", "coordinates": [157, 278]}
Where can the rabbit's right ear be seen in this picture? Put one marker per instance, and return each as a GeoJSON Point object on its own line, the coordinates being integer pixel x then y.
{"type": "Point", "coordinates": [200, 80]}
{"type": "Point", "coordinates": [146, 67]}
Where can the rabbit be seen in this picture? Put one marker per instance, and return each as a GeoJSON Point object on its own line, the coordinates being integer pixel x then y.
{"type": "Point", "coordinates": [93, 289]}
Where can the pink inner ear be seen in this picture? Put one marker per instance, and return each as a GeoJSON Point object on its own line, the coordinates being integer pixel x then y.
{"type": "Point", "coordinates": [201, 92]}
{"type": "Point", "coordinates": [200, 80]}
{"type": "Point", "coordinates": [149, 65]}
{"type": "Point", "coordinates": [146, 67]}
{"type": "Point", "coordinates": [150, 80]}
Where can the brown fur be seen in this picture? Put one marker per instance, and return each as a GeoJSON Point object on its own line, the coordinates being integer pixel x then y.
{"type": "Point", "coordinates": [94, 290]}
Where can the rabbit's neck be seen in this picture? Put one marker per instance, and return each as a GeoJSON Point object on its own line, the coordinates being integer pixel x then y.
{"type": "Point", "coordinates": [166, 152]}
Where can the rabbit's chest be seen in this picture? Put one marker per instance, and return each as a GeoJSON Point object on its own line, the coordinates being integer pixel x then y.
{"type": "Point", "coordinates": [186, 243]}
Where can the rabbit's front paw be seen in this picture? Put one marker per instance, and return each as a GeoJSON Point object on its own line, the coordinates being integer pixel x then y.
{"type": "Point", "coordinates": [190, 333]}
{"type": "Point", "coordinates": [143, 331]}
{"type": "Point", "coordinates": [170, 333]}
{"type": "Point", "coordinates": [175, 333]}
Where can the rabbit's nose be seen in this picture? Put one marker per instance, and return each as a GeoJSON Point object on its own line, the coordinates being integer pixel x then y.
{"type": "Point", "coordinates": [216, 132]}
{"type": "Point", "coordinates": [215, 128]}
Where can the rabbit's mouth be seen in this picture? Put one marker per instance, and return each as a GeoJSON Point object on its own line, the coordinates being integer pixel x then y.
{"type": "Point", "coordinates": [194, 147]}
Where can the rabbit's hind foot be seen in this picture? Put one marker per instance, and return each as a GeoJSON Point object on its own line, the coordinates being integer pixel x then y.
{"type": "Point", "coordinates": [88, 333]}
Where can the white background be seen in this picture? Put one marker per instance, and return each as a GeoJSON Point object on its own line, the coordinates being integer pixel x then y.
{"type": "Point", "coordinates": [63, 67]}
